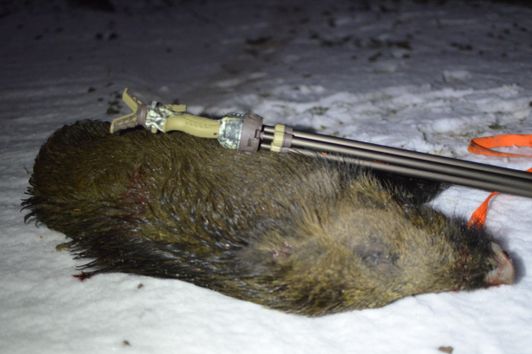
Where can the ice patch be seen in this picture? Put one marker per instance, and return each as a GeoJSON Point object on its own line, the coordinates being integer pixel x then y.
{"type": "Point", "coordinates": [298, 92]}
{"type": "Point", "coordinates": [386, 67]}
{"type": "Point", "coordinates": [448, 125]}
{"type": "Point", "coordinates": [229, 82]}
{"type": "Point", "coordinates": [451, 76]}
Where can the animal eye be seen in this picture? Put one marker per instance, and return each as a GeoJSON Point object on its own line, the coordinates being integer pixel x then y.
{"type": "Point", "coordinates": [374, 258]}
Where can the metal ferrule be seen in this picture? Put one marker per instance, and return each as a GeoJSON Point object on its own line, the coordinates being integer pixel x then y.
{"type": "Point", "coordinates": [230, 131]}
{"type": "Point", "coordinates": [240, 132]}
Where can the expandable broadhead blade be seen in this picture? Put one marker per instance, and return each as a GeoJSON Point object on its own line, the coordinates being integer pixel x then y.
{"type": "Point", "coordinates": [124, 122]}
{"type": "Point", "coordinates": [131, 101]}
{"type": "Point", "coordinates": [137, 117]}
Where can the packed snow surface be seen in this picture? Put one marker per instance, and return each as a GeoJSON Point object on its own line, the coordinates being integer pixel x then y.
{"type": "Point", "coordinates": [421, 75]}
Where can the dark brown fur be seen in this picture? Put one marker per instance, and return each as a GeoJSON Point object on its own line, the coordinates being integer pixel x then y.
{"type": "Point", "coordinates": [288, 232]}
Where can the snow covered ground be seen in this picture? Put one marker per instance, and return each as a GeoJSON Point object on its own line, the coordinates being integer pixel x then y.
{"type": "Point", "coordinates": [423, 75]}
